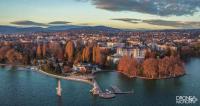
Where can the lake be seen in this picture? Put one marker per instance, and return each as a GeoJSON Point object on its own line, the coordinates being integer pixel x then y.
{"type": "Point", "coordinates": [29, 88]}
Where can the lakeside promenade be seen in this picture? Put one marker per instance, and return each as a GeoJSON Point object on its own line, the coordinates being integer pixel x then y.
{"type": "Point", "coordinates": [73, 78]}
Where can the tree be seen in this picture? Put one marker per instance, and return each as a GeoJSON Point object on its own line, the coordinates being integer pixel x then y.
{"type": "Point", "coordinates": [69, 51]}
{"type": "Point", "coordinates": [86, 54]}
{"type": "Point", "coordinates": [97, 56]}
{"type": "Point", "coordinates": [128, 65]}
{"type": "Point", "coordinates": [56, 50]}
{"type": "Point", "coordinates": [44, 50]}
{"type": "Point", "coordinates": [94, 54]}
{"type": "Point", "coordinates": [122, 64]}
{"type": "Point", "coordinates": [39, 51]}
{"type": "Point", "coordinates": [163, 66]}
{"type": "Point", "coordinates": [3, 51]}
{"type": "Point", "coordinates": [13, 56]}
{"type": "Point", "coordinates": [34, 61]}
{"type": "Point", "coordinates": [149, 54]}
{"type": "Point", "coordinates": [178, 70]}
{"type": "Point", "coordinates": [150, 68]}
{"type": "Point", "coordinates": [98, 59]}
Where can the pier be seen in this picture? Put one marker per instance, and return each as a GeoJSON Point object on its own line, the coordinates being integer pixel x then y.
{"type": "Point", "coordinates": [59, 89]}
{"type": "Point", "coordinates": [97, 91]}
{"type": "Point", "coordinates": [108, 93]}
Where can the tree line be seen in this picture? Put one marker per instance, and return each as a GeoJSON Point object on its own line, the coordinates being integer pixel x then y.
{"type": "Point", "coordinates": [152, 66]}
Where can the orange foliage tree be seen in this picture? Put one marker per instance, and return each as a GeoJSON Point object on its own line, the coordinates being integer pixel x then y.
{"type": "Point", "coordinates": [86, 54]}
{"type": "Point", "coordinates": [39, 51]}
{"type": "Point", "coordinates": [128, 65]}
{"type": "Point", "coordinates": [69, 51]}
{"type": "Point", "coordinates": [150, 68]}
{"type": "Point", "coordinates": [97, 55]}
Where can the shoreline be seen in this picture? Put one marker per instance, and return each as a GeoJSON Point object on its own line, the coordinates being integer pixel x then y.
{"type": "Point", "coordinates": [64, 78]}
{"type": "Point", "coordinates": [146, 78]}
{"type": "Point", "coordinates": [103, 71]}
{"type": "Point", "coordinates": [49, 74]}
{"type": "Point", "coordinates": [15, 65]}
{"type": "Point", "coordinates": [86, 81]}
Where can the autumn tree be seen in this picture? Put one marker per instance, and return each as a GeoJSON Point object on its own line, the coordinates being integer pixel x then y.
{"type": "Point", "coordinates": [3, 51]}
{"type": "Point", "coordinates": [69, 50]}
{"type": "Point", "coordinates": [97, 55]}
{"type": "Point", "coordinates": [178, 70]}
{"type": "Point", "coordinates": [94, 54]}
{"type": "Point", "coordinates": [78, 58]}
{"type": "Point", "coordinates": [39, 51]}
{"type": "Point", "coordinates": [44, 50]}
{"type": "Point", "coordinates": [86, 54]}
{"type": "Point", "coordinates": [128, 65]}
{"type": "Point", "coordinates": [149, 54]}
{"type": "Point", "coordinates": [163, 66]}
{"type": "Point", "coordinates": [150, 68]}
{"type": "Point", "coordinates": [13, 56]}
{"type": "Point", "coordinates": [56, 50]}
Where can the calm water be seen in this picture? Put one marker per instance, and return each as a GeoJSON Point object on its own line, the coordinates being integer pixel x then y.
{"type": "Point", "coordinates": [29, 88]}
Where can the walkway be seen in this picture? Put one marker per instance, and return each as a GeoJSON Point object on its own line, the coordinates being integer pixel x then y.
{"type": "Point", "coordinates": [73, 78]}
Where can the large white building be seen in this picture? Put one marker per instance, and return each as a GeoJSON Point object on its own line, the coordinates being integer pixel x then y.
{"type": "Point", "coordinates": [138, 53]}
{"type": "Point", "coordinates": [115, 44]}
{"type": "Point", "coordinates": [134, 52]}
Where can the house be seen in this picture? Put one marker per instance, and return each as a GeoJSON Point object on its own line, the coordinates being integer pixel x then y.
{"type": "Point", "coordinates": [79, 68]}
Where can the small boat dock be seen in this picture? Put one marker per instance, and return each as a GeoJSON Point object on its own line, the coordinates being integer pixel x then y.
{"type": "Point", "coordinates": [96, 90]}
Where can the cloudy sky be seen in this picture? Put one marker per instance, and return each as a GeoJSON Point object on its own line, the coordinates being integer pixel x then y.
{"type": "Point", "coordinates": [125, 14]}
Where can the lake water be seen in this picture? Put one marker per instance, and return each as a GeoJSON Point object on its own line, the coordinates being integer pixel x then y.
{"type": "Point", "coordinates": [29, 88]}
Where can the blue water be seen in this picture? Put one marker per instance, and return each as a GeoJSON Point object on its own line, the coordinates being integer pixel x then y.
{"type": "Point", "coordinates": [29, 88]}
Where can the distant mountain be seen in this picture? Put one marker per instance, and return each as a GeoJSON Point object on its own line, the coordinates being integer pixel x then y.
{"type": "Point", "coordinates": [7, 29]}
{"type": "Point", "coordinates": [13, 29]}
{"type": "Point", "coordinates": [97, 28]}
{"type": "Point", "coordinates": [64, 27]}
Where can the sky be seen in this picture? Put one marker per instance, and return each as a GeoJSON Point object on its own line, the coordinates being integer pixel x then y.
{"type": "Point", "coordinates": [124, 14]}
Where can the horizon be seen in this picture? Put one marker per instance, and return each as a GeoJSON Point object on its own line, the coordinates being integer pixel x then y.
{"type": "Point", "coordinates": [133, 14]}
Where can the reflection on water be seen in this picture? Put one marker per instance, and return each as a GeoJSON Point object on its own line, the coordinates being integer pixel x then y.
{"type": "Point", "coordinates": [59, 101]}
{"type": "Point", "coordinates": [150, 86]}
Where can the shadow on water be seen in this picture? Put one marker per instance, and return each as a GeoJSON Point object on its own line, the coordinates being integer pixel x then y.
{"type": "Point", "coordinates": [94, 100]}
{"type": "Point", "coordinates": [124, 82]}
{"type": "Point", "coordinates": [178, 82]}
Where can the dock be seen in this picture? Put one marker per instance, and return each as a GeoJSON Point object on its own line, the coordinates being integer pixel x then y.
{"type": "Point", "coordinates": [96, 90]}
{"type": "Point", "coordinates": [108, 94]}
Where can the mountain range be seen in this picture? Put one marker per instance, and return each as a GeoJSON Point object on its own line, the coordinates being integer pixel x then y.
{"type": "Point", "coordinates": [15, 29]}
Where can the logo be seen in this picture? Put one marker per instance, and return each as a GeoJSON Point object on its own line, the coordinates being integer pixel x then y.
{"type": "Point", "coordinates": [186, 99]}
